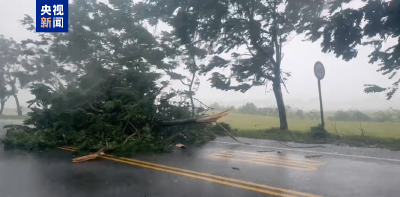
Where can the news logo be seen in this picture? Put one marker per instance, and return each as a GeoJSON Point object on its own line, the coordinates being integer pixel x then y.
{"type": "Point", "coordinates": [51, 16]}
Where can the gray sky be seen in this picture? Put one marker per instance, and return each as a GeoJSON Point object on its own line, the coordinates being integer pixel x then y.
{"type": "Point", "coordinates": [342, 87]}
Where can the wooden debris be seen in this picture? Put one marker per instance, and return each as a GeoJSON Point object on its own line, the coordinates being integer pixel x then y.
{"type": "Point", "coordinates": [204, 119]}
{"type": "Point", "coordinates": [312, 156]}
{"type": "Point", "coordinates": [230, 135]}
{"type": "Point", "coordinates": [87, 157]}
{"type": "Point", "coordinates": [265, 151]}
{"type": "Point", "coordinates": [181, 146]}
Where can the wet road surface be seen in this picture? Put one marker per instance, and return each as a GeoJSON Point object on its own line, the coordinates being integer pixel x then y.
{"type": "Point", "coordinates": [219, 168]}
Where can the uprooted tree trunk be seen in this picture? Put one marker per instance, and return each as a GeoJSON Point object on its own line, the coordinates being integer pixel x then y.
{"type": "Point", "coordinates": [203, 119]}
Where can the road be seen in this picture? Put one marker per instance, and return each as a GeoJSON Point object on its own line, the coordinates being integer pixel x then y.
{"type": "Point", "coordinates": [220, 168]}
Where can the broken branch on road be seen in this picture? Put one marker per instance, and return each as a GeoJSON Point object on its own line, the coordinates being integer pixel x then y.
{"type": "Point", "coordinates": [316, 146]}
{"type": "Point", "coordinates": [203, 119]}
{"type": "Point", "coordinates": [312, 156]}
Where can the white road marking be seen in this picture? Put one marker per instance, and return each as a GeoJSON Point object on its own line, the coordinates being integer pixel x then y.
{"type": "Point", "coordinates": [309, 151]}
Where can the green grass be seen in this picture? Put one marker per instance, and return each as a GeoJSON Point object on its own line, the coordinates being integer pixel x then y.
{"type": "Point", "coordinates": [373, 129]}
{"type": "Point", "coordinates": [305, 137]}
{"type": "Point", "coordinates": [381, 134]}
{"type": "Point", "coordinates": [13, 117]}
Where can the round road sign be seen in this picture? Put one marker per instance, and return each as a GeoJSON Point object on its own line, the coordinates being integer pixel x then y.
{"type": "Point", "coordinates": [319, 70]}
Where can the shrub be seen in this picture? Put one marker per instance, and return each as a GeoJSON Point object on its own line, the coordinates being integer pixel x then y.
{"type": "Point", "coordinates": [319, 132]}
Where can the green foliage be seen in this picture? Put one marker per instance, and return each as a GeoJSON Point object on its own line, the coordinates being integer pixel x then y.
{"type": "Point", "coordinates": [107, 121]}
{"type": "Point", "coordinates": [248, 108]}
{"type": "Point", "coordinates": [216, 106]}
{"type": "Point", "coordinates": [319, 132]}
{"type": "Point", "coordinates": [351, 115]}
{"type": "Point", "coordinates": [251, 109]}
{"type": "Point", "coordinates": [10, 71]}
{"type": "Point", "coordinates": [391, 115]}
{"type": "Point", "coordinates": [191, 57]}
{"type": "Point", "coordinates": [98, 87]}
{"type": "Point", "coordinates": [305, 137]}
{"type": "Point", "coordinates": [374, 24]}
{"type": "Point", "coordinates": [18, 136]}
{"type": "Point", "coordinates": [222, 26]}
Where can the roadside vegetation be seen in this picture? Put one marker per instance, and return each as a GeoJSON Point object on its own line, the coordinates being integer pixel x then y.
{"type": "Point", "coordinates": [353, 133]}
{"type": "Point", "coordinates": [306, 137]}
{"type": "Point", "coordinates": [373, 129]}
{"type": "Point", "coordinates": [388, 115]}
{"type": "Point", "coordinates": [12, 117]}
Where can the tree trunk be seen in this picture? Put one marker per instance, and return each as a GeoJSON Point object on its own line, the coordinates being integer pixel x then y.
{"type": "Point", "coordinates": [2, 103]}
{"type": "Point", "coordinates": [281, 105]}
{"type": "Point", "coordinates": [191, 94]}
{"type": "Point", "coordinates": [19, 110]}
{"type": "Point", "coordinates": [192, 103]}
{"type": "Point", "coordinates": [203, 119]}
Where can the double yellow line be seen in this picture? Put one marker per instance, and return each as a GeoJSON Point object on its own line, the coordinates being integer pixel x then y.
{"type": "Point", "coordinates": [206, 177]}
{"type": "Point", "coordinates": [269, 160]}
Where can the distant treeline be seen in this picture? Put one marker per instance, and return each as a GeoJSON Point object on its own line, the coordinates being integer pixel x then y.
{"type": "Point", "coordinates": [390, 115]}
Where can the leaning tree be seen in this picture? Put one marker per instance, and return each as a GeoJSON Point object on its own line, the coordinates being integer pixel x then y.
{"type": "Point", "coordinates": [11, 57]}
{"type": "Point", "coordinates": [187, 56]}
{"type": "Point", "coordinates": [261, 28]}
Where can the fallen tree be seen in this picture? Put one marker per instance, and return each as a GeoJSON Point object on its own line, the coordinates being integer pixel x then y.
{"type": "Point", "coordinates": [204, 119]}
{"type": "Point", "coordinates": [117, 116]}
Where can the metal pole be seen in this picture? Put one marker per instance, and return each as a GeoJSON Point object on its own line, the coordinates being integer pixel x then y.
{"type": "Point", "coordinates": [320, 104]}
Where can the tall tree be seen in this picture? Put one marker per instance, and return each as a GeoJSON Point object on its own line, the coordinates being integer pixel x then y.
{"type": "Point", "coordinates": [99, 37]}
{"type": "Point", "coordinates": [261, 27]}
{"type": "Point", "coordinates": [374, 24]}
{"type": "Point", "coordinates": [5, 92]}
{"type": "Point", "coordinates": [10, 62]}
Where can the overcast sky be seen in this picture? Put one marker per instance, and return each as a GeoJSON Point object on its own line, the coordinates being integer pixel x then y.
{"type": "Point", "coordinates": [342, 87]}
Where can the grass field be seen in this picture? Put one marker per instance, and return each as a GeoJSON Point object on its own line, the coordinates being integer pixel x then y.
{"type": "Point", "coordinates": [10, 113]}
{"type": "Point", "coordinates": [244, 122]}
{"type": "Point", "coordinates": [13, 117]}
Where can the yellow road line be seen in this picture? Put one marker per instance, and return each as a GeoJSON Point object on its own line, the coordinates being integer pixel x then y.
{"type": "Point", "coordinates": [206, 177]}
{"type": "Point", "coordinates": [305, 168]}
{"type": "Point", "coordinates": [285, 160]}
{"type": "Point", "coordinates": [282, 163]}
{"type": "Point", "coordinates": [268, 160]}
{"type": "Point", "coordinates": [250, 154]}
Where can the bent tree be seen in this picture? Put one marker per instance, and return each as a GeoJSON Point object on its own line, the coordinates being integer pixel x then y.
{"type": "Point", "coordinates": [10, 63]}
{"type": "Point", "coordinates": [375, 24]}
{"type": "Point", "coordinates": [189, 57]}
{"type": "Point", "coordinates": [261, 27]}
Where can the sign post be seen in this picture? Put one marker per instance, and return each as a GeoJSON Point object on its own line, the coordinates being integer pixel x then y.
{"type": "Point", "coordinates": [319, 72]}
